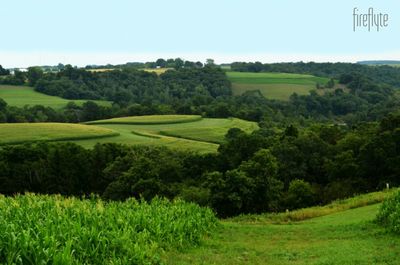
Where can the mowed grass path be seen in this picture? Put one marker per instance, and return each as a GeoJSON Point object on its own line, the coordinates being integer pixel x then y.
{"type": "Point", "coordinates": [20, 96]}
{"type": "Point", "coordinates": [274, 85]}
{"type": "Point", "coordinates": [13, 133]}
{"type": "Point", "coordinates": [348, 237]}
{"type": "Point", "coordinates": [188, 132]}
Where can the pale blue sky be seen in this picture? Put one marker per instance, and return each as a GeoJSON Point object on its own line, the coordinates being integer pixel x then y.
{"type": "Point", "coordinates": [98, 31]}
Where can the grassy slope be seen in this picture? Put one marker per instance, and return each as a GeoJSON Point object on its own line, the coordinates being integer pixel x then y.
{"type": "Point", "coordinates": [209, 130]}
{"type": "Point", "coordinates": [11, 133]}
{"type": "Point", "coordinates": [186, 132]}
{"type": "Point", "coordinates": [345, 237]}
{"type": "Point", "coordinates": [316, 211]}
{"type": "Point", "coordinates": [20, 96]}
{"type": "Point", "coordinates": [129, 136]}
{"type": "Point", "coordinates": [274, 85]}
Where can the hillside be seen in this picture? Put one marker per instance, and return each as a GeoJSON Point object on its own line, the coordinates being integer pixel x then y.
{"type": "Point", "coordinates": [68, 230]}
{"type": "Point", "coordinates": [188, 132]}
{"type": "Point", "coordinates": [20, 96]}
{"type": "Point", "coordinates": [345, 237]}
{"type": "Point", "coordinates": [274, 85]}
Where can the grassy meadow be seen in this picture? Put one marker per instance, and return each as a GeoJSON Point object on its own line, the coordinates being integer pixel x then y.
{"type": "Point", "coordinates": [42, 229]}
{"type": "Point", "coordinates": [13, 133]}
{"type": "Point", "coordinates": [274, 85]}
{"type": "Point", "coordinates": [345, 236]}
{"type": "Point", "coordinates": [20, 96]}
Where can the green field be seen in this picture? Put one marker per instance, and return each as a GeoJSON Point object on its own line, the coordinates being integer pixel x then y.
{"type": "Point", "coordinates": [274, 85]}
{"type": "Point", "coordinates": [342, 237]}
{"type": "Point", "coordinates": [12, 133]}
{"type": "Point", "coordinates": [43, 229]}
{"type": "Point", "coordinates": [184, 132]}
{"type": "Point", "coordinates": [149, 119]}
{"type": "Point", "coordinates": [21, 96]}
{"type": "Point", "coordinates": [188, 132]}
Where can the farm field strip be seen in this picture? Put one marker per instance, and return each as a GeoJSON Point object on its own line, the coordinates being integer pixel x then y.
{"type": "Point", "coordinates": [187, 132]}
{"type": "Point", "coordinates": [20, 96]}
{"type": "Point", "coordinates": [150, 119]}
{"type": "Point", "coordinates": [274, 85]}
{"type": "Point", "coordinates": [274, 78]}
{"type": "Point", "coordinates": [273, 91]}
{"type": "Point", "coordinates": [13, 133]}
{"type": "Point", "coordinates": [190, 133]}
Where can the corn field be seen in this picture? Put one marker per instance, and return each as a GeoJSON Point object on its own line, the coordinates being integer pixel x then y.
{"type": "Point", "coordinates": [43, 229]}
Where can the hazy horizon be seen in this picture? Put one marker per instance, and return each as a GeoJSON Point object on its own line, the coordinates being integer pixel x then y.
{"type": "Point", "coordinates": [24, 60]}
{"type": "Point", "coordinates": [76, 32]}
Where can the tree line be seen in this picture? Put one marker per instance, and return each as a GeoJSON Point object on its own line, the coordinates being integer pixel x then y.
{"type": "Point", "coordinates": [207, 91]}
{"type": "Point", "coordinates": [378, 74]}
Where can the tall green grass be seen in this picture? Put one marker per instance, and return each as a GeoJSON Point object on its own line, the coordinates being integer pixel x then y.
{"type": "Point", "coordinates": [39, 229]}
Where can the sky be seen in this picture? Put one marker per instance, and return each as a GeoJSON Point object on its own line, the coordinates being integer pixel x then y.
{"type": "Point", "coordinates": [82, 32]}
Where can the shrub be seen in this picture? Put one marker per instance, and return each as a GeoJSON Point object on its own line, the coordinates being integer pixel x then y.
{"type": "Point", "coordinates": [300, 194]}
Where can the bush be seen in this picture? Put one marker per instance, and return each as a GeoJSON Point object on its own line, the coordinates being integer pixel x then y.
{"type": "Point", "coordinates": [198, 195]}
{"type": "Point", "coordinates": [299, 195]}
{"type": "Point", "coordinates": [389, 213]}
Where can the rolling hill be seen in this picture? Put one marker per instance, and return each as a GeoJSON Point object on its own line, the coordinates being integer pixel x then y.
{"type": "Point", "coordinates": [342, 237]}
{"type": "Point", "coordinates": [274, 85]}
{"type": "Point", "coordinates": [184, 132]}
{"type": "Point", "coordinates": [20, 96]}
